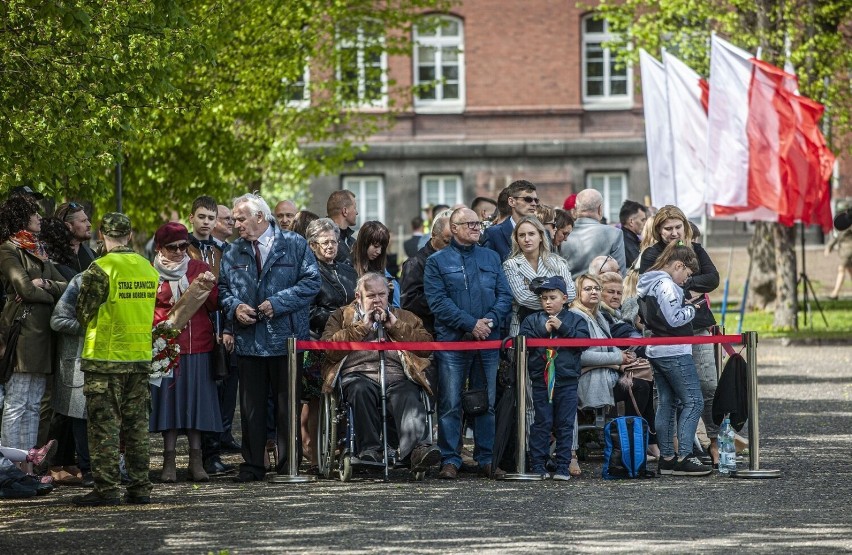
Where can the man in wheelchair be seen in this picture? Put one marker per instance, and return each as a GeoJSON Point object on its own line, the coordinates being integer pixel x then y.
{"type": "Point", "coordinates": [365, 319]}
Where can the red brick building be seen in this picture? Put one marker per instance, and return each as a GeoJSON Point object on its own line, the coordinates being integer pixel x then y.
{"type": "Point", "coordinates": [511, 90]}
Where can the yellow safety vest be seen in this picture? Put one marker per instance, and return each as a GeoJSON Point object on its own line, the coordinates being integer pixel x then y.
{"type": "Point", "coordinates": [121, 331]}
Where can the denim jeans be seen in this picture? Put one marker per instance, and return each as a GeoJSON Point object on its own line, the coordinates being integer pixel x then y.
{"type": "Point", "coordinates": [677, 383]}
{"type": "Point", "coordinates": [705, 366]}
{"type": "Point", "coordinates": [454, 367]}
{"type": "Point", "coordinates": [559, 417]}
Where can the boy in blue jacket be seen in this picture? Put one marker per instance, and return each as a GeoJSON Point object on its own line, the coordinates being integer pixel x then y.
{"type": "Point", "coordinates": [554, 373]}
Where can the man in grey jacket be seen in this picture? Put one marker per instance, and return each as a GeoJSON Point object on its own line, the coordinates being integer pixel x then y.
{"type": "Point", "coordinates": [590, 237]}
{"type": "Point", "coordinates": [267, 282]}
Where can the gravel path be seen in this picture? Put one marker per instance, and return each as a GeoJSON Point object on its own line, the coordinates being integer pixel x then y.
{"type": "Point", "coordinates": [806, 425]}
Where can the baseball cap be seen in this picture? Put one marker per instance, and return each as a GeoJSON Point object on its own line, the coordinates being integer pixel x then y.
{"type": "Point", "coordinates": [115, 224]}
{"type": "Point", "coordinates": [554, 283]}
{"type": "Point", "coordinates": [26, 190]}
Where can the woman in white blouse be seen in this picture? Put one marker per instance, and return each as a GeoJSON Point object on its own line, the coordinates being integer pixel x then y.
{"type": "Point", "coordinates": [530, 259]}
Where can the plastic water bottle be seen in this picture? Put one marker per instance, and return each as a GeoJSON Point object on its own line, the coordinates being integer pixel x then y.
{"type": "Point", "coordinates": [727, 449]}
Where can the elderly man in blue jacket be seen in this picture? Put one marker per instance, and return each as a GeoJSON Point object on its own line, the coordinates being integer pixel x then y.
{"type": "Point", "coordinates": [470, 299]}
{"type": "Point", "coordinates": [267, 282]}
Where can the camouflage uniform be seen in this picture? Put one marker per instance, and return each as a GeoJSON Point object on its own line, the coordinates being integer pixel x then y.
{"type": "Point", "coordinates": [117, 398]}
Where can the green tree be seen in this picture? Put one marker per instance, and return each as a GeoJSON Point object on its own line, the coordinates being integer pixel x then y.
{"type": "Point", "coordinates": [814, 35]}
{"type": "Point", "coordinates": [192, 97]}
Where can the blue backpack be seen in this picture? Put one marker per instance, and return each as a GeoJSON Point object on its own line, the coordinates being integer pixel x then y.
{"type": "Point", "coordinates": [625, 445]}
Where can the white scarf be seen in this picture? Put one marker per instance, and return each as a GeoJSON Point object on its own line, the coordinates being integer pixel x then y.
{"type": "Point", "coordinates": [174, 273]}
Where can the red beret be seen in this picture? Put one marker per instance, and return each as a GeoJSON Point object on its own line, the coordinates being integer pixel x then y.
{"type": "Point", "coordinates": [170, 233]}
{"type": "Point", "coordinates": [570, 202]}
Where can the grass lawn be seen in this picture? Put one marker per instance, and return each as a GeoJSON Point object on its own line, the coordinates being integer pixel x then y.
{"type": "Point", "coordinates": [837, 313]}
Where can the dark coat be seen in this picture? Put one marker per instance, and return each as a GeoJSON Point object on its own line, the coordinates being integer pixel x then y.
{"type": "Point", "coordinates": [35, 344]}
{"type": "Point", "coordinates": [337, 289]}
{"type": "Point", "coordinates": [499, 238]}
{"type": "Point", "coordinates": [568, 358]}
{"type": "Point", "coordinates": [413, 297]}
{"type": "Point", "coordinates": [631, 246]}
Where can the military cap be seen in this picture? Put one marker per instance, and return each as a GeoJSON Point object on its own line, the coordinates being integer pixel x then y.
{"type": "Point", "coordinates": [115, 224]}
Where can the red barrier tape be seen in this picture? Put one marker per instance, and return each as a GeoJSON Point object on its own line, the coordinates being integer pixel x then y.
{"type": "Point", "coordinates": [485, 345]}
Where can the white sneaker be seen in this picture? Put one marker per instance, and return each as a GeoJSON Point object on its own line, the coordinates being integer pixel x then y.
{"type": "Point", "coordinates": [562, 477]}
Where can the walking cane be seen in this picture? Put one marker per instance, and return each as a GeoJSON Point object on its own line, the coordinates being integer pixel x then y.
{"type": "Point", "coordinates": [380, 333]}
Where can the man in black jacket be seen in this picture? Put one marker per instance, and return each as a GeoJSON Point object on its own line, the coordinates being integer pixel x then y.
{"type": "Point", "coordinates": [632, 217]}
{"type": "Point", "coordinates": [413, 298]}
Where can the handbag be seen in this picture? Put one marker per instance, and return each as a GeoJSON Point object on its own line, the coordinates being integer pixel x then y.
{"type": "Point", "coordinates": [7, 363]}
{"type": "Point", "coordinates": [220, 365]}
{"type": "Point", "coordinates": [475, 401]}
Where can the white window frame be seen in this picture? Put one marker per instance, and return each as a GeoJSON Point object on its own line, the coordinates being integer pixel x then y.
{"type": "Point", "coordinates": [607, 101]}
{"type": "Point", "coordinates": [442, 178]}
{"type": "Point", "coordinates": [440, 105]}
{"type": "Point", "coordinates": [610, 212]}
{"type": "Point", "coordinates": [357, 184]}
{"type": "Point", "coordinates": [361, 41]}
{"type": "Point", "coordinates": [305, 82]}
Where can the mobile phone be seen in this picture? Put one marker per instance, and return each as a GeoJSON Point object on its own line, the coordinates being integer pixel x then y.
{"type": "Point", "coordinates": [704, 299]}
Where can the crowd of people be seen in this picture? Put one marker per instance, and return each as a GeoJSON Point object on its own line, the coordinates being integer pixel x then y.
{"type": "Point", "coordinates": [240, 280]}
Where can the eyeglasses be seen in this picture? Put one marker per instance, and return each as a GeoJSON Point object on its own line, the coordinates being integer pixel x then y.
{"type": "Point", "coordinates": [67, 210]}
{"type": "Point", "coordinates": [175, 248]}
{"type": "Point", "coordinates": [327, 243]}
{"type": "Point", "coordinates": [470, 225]}
{"type": "Point", "coordinates": [530, 200]}
{"type": "Point", "coordinates": [604, 264]}
{"type": "Point", "coordinates": [590, 288]}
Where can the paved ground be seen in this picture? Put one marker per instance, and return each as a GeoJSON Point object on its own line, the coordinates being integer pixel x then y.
{"type": "Point", "coordinates": [806, 424]}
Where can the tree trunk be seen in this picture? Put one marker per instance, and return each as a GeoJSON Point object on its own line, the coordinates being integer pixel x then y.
{"type": "Point", "coordinates": [786, 305]}
{"type": "Point", "coordinates": [762, 282]}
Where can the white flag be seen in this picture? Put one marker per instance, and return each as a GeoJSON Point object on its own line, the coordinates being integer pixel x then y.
{"type": "Point", "coordinates": [657, 131]}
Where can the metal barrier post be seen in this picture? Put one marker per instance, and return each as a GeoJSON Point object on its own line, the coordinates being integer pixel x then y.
{"type": "Point", "coordinates": [754, 470]}
{"type": "Point", "coordinates": [521, 390]}
{"type": "Point", "coordinates": [720, 351]}
{"type": "Point", "coordinates": [293, 476]}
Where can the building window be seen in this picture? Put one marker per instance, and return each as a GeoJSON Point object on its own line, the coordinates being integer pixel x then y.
{"type": "Point", "coordinates": [613, 188]}
{"type": "Point", "coordinates": [369, 196]}
{"type": "Point", "coordinates": [439, 65]}
{"type": "Point", "coordinates": [605, 83]}
{"type": "Point", "coordinates": [440, 189]}
{"type": "Point", "coordinates": [362, 65]}
{"type": "Point", "coordinates": [297, 93]}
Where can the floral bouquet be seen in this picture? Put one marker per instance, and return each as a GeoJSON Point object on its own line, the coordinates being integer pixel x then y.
{"type": "Point", "coordinates": [165, 353]}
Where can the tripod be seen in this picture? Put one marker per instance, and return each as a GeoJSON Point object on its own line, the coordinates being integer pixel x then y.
{"type": "Point", "coordinates": [808, 288]}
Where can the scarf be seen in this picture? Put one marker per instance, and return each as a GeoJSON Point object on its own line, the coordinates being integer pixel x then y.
{"type": "Point", "coordinates": [174, 273]}
{"type": "Point", "coordinates": [550, 355]}
{"type": "Point", "coordinates": [27, 241]}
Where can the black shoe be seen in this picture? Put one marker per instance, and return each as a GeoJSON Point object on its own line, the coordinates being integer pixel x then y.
{"type": "Point", "coordinates": [88, 480]}
{"type": "Point", "coordinates": [370, 456]}
{"type": "Point", "coordinates": [666, 467]}
{"type": "Point", "coordinates": [230, 446]}
{"type": "Point", "coordinates": [93, 499]}
{"type": "Point", "coordinates": [691, 466]}
{"type": "Point", "coordinates": [137, 499]}
{"type": "Point", "coordinates": [703, 456]}
{"type": "Point", "coordinates": [424, 457]}
{"type": "Point", "coordinates": [215, 467]}
{"type": "Point", "coordinates": [42, 485]}
{"type": "Point", "coordinates": [244, 477]}
{"type": "Point", "coordinates": [16, 490]}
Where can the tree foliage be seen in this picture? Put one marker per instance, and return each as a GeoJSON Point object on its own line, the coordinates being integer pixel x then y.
{"type": "Point", "coordinates": [191, 96]}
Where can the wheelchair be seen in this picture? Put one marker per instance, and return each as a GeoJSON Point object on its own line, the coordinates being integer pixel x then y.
{"type": "Point", "coordinates": [337, 444]}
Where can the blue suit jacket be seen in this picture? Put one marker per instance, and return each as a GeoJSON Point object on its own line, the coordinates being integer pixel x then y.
{"type": "Point", "coordinates": [499, 238]}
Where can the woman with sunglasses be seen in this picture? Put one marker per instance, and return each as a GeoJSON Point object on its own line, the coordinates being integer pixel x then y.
{"type": "Point", "coordinates": [33, 285]}
{"type": "Point", "coordinates": [187, 402]}
{"type": "Point", "coordinates": [670, 225]}
{"type": "Point", "coordinates": [337, 289]}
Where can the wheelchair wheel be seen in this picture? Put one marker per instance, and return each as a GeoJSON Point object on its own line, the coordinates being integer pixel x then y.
{"type": "Point", "coordinates": [345, 467]}
{"type": "Point", "coordinates": [327, 434]}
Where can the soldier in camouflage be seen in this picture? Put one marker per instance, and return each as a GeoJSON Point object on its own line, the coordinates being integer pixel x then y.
{"type": "Point", "coordinates": [116, 308]}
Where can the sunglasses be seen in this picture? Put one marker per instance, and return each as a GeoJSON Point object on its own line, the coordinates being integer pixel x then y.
{"type": "Point", "coordinates": [175, 248]}
{"type": "Point", "coordinates": [529, 200]}
{"type": "Point", "coordinates": [67, 210]}
{"type": "Point", "coordinates": [604, 263]}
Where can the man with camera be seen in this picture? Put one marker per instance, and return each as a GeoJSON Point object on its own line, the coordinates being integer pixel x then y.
{"type": "Point", "coordinates": [267, 281]}
{"type": "Point", "coordinates": [368, 318]}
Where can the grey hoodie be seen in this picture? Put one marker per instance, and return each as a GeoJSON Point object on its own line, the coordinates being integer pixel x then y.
{"type": "Point", "coordinates": [669, 297]}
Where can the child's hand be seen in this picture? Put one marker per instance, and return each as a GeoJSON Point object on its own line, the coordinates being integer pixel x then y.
{"type": "Point", "coordinates": [552, 324]}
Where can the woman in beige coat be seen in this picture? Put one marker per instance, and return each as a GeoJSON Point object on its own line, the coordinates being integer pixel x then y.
{"type": "Point", "coordinates": [33, 285]}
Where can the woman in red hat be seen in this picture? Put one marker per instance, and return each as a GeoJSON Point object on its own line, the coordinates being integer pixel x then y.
{"type": "Point", "coordinates": [188, 401]}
